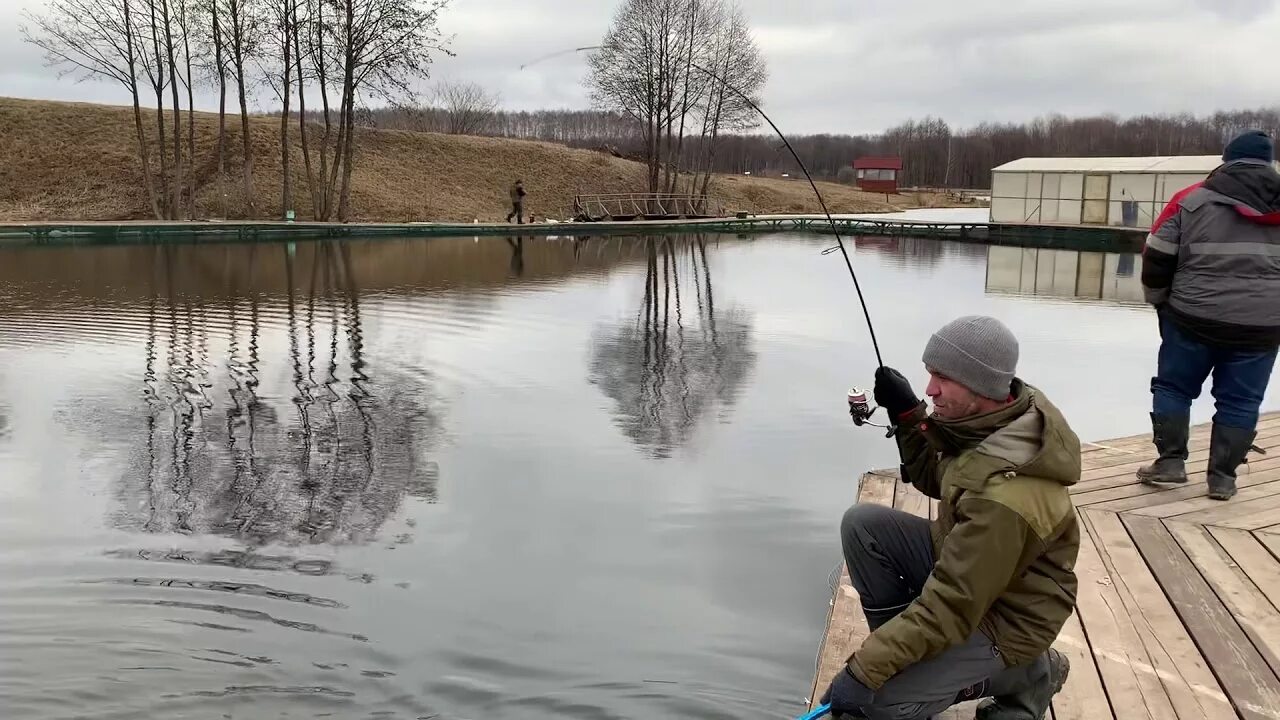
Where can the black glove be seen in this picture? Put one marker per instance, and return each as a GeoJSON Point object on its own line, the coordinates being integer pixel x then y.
{"type": "Point", "coordinates": [847, 695]}
{"type": "Point", "coordinates": [893, 392]}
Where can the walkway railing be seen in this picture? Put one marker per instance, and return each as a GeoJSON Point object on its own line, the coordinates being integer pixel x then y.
{"type": "Point", "coordinates": [645, 206]}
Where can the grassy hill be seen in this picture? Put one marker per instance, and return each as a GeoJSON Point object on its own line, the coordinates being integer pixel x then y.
{"type": "Point", "coordinates": [77, 161]}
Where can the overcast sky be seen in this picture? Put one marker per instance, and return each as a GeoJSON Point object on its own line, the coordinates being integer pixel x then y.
{"type": "Point", "coordinates": [853, 66]}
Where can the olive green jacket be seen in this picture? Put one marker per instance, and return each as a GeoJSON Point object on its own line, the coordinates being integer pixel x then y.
{"type": "Point", "coordinates": [1005, 540]}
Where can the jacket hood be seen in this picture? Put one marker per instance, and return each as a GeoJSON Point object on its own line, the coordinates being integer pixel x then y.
{"type": "Point", "coordinates": [1253, 187]}
{"type": "Point", "coordinates": [1029, 436]}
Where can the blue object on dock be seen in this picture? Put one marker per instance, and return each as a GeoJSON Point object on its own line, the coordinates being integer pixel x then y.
{"type": "Point", "coordinates": [820, 711]}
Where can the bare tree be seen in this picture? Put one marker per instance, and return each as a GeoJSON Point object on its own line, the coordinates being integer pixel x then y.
{"type": "Point", "coordinates": [185, 14]}
{"type": "Point", "coordinates": [739, 67]}
{"type": "Point", "coordinates": [276, 63]}
{"type": "Point", "coordinates": [166, 28]}
{"type": "Point", "coordinates": [302, 28]}
{"type": "Point", "coordinates": [468, 107]}
{"type": "Point", "coordinates": [217, 37]}
{"type": "Point", "coordinates": [633, 71]}
{"type": "Point", "coordinates": [96, 40]}
{"type": "Point", "coordinates": [380, 47]}
{"type": "Point", "coordinates": [658, 65]}
{"type": "Point", "coordinates": [243, 42]}
{"type": "Point", "coordinates": [319, 55]}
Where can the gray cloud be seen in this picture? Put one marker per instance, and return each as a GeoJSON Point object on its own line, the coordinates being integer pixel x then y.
{"type": "Point", "coordinates": [850, 66]}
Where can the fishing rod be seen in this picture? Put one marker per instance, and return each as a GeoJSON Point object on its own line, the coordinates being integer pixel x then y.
{"type": "Point", "coordinates": [835, 230]}
{"type": "Point", "coordinates": [859, 407]}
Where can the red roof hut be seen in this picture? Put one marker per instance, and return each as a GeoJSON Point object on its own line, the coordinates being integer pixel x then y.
{"type": "Point", "coordinates": [877, 174]}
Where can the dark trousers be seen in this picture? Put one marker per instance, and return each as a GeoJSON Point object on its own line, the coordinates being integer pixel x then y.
{"type": "Point", "coordinates": [1240, 378]}
{"type": "Point", "coordinates": [517, 212]}
{"type": "Point", "coordinates": [889, 555]}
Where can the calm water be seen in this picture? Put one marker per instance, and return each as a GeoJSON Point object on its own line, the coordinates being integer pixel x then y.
{"type": "Point", "coordinates": [464, 478]}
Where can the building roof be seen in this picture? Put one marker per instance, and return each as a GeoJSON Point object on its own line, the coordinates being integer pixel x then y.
{"type": "Point", "coordinates": [878, 163]}
{"type": "Point", "coordinates": [1160, 164]}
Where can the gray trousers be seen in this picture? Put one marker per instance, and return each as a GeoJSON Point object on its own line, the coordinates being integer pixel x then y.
{"type": "Point", "coordinates": [890, 555]}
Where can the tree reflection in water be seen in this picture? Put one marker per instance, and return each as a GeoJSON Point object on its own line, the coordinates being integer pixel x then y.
{"type": "Point", "coordinates": [289, 436]}
{"type": "Point", "coordinates": [682, 358]}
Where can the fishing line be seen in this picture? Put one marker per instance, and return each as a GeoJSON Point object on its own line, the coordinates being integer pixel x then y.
{"type": "Point", "coordinates": [821, 710]}
{"type": "Point", "coordinates": [835, 230]}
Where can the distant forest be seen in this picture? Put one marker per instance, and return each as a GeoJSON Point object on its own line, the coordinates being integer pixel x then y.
{"type": "Point", "coordinates": [934, 154]}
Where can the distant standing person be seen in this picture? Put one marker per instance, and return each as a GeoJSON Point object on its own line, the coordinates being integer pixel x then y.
{"type": "Point", "coordinates": [517, 202]}
{"type": "Point", "coordinates": [1211, 267]}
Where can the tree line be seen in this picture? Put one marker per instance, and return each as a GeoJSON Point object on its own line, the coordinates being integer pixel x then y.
{"type": "Point", "coordinates": [669, 80]}
{"type": "Point", "coordinates": [672, 86]}
{"type": "Point", "coordinates": [346, 51]}
{"type": "Point", "coordinates": [934, 155]}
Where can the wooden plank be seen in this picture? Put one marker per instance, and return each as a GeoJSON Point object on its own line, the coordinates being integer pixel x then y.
{"type": "Point", "coordinates": [1092, 475]}
{"type": "Point", "coordinates": [1169, 509]}
{"type": "Point", "coordinates": [845, 631]}
{"type": "Point", "coordinates": [846, 625]}
{"type": "Point", "coordinates": [1101, 478]}
{"type": "Point", "coordinates": [1252, 521]}
{"type": "Point", "coordinates": [1249, 551]}
{"type": "Point", "coordinates": [1123, 496]}
{"type": "Point", "coordinates": [1195, 488]}
{"type": "Point", "coordinates": [1094, 453]}
{"type": "Point", "coordinates": [1123, 661]}
{"type": "Point", "coordinates": [1223, 511]}
{"type": "Point", "coordinates": [1097, 473]}
{"type": "Point", "coordinates": [1257, 616]}
{"type": "Point", "coordinates": [1271, 541]}
{"type": "Point", "coordinates": [1183, 682]}
{"type": "Point", "coordinates": [1251, 685]}
{"type": "Point", "coordinates": [908, 499]}
{"type": "Point", "coordinates": [1083, 697]}
{"type": "Point", "coordinates": [877, 488]}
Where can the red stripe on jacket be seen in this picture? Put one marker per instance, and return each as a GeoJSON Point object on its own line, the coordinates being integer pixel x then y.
{"type": "Point", "coordinates": [1174, 205]}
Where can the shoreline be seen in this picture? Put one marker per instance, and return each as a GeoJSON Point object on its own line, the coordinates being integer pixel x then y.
{"type": "Point", "coordinates": [964, 227]}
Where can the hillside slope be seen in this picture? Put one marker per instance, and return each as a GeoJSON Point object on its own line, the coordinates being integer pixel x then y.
{"type": "Point", "coordinates": [76, 161]}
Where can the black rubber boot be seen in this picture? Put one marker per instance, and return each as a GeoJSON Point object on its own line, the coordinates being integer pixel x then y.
{"type": "Point", "coordinates": [1228, 448]}
{"type": "Point", "coordinates": [1170, 436]}
{"type": "Point", "coordinates": [1025, 692]}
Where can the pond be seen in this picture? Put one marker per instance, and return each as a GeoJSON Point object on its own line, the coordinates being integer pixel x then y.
{"type": "Point", "coordinates": [473, 477]}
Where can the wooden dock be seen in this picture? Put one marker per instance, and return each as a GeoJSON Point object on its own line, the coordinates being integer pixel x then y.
{"type": "Point", "coordinates": [1178, 613]}
{"type": "Point", "coordinates": [1085, 238]}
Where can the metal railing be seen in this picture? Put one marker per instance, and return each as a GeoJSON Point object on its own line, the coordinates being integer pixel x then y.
{"type": "Point", "coordinates": [648, 206]}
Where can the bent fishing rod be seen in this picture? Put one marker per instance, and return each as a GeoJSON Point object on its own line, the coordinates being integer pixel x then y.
{"type": "Point", "coordinates": [835, 230]}
{"type": "Point", "coordinates": [860, 408]}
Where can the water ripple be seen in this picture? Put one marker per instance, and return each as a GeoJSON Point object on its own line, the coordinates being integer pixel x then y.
{"type": "Point", "coordinates": [242, 613]}
{"type": "Point", "coordinates": [224, 586]}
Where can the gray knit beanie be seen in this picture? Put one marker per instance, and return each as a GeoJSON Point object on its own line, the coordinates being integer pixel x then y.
{"type": "Point", "coordinates": [976, 351]}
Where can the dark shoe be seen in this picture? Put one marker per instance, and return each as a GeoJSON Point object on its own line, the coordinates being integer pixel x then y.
{"type": "Point", "coordinates": [1228, 448]}
{"type": "Point", "coordinates": [1025, 692]}
{"type": "Point", "coordinates": [1170, 436]}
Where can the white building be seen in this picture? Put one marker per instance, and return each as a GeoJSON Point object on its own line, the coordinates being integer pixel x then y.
{"type": "Point", "coordinates": [1126, 191]}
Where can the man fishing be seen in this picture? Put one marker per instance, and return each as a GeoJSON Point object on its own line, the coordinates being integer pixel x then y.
{"type": "Point", "coordinates": [966, 606]}
{"type": "Point", "coordinates": [1211, 267]}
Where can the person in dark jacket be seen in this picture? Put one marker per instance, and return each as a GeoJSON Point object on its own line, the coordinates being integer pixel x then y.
{"type": "Point", "coordinates": [1211, 267]}
{"type": "Point", "coordinates": [517, 202]}
{"type": "Point", "coordinates": [968, 605]}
